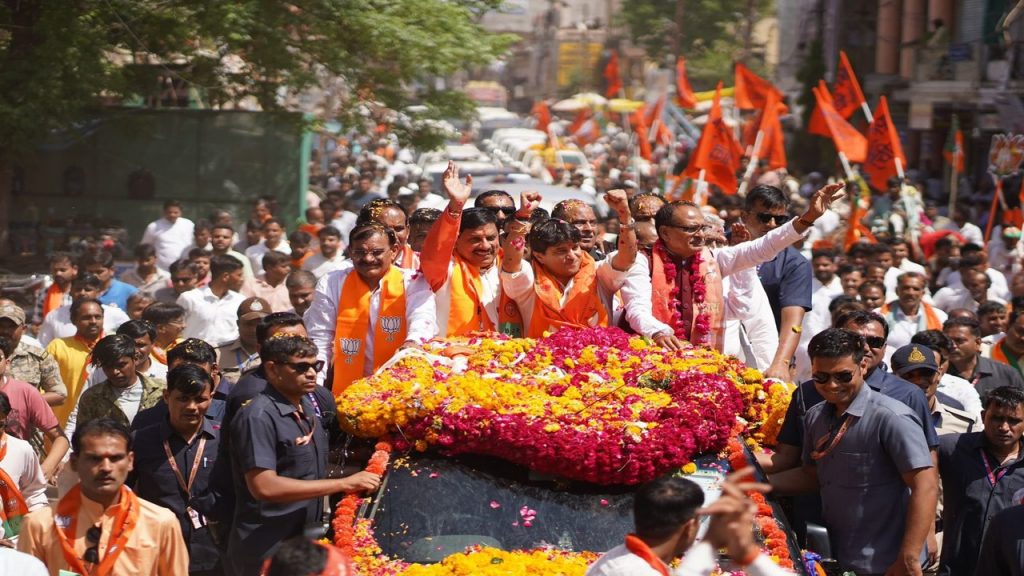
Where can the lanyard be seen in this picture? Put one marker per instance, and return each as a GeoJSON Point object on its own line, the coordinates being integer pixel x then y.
{"type": "Point", "coordinates": [993, 476]}
{"type": "Point", "coordinates": [306, 436]}
{"type": "Point", "coordinates": [832, 439]}
{"type": "Point", "coordinates": [187, 487]}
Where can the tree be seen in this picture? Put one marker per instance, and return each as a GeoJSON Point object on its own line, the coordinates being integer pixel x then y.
{"type": "Point", "coordinates": [711, 35]}
{"type": "Point", "coordinates": [61, 60]}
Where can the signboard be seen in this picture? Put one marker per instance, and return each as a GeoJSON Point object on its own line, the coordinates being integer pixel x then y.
{"type": "Point", "coordinates": [960, 53]}
{"type": "Point", "coordinates": [1006, 154]}
{"type": "Point", "coordinates": [578, 63]}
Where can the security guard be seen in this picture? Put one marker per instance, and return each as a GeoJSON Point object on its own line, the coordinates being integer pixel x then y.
{"type": "Point", "coordinates": [242, 355]}
{"type": "Point", "coordinates": [279, 458]}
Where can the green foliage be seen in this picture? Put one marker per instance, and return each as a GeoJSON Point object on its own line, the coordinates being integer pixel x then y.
{"type": "Point", "coordinates": [55, 56]}
{"type": "Point", "coordinates": [712, 33]}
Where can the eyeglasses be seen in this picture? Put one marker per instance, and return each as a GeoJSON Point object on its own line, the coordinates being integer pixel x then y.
{"type": "Point", "coordinates": [92, 538]}
{"type": "Point", "coordinates": [779, 219]}
{"type": "Point", "coordinates": [506, 210]}
{"type": "Point", "coordinates": [362, 254]}
{"type": "Point", "coordinates": [303, 367]}
{"type": "Point", "coordinates": [689, 229]}
{"type": "Point", "coordinates": [844, 377]}
{"type": "Point", "coordinates": [875, 341]}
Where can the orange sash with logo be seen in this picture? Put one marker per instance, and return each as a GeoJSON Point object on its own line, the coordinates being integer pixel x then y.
{"type": "Point", "coordinates": [12, 504]}
{"type": "Point", "coordinates": [125, 519]}
{"type": "Point", "coordinates": [353, 326]}
{"type": "Point", "coordinates": [466, 308]}
{"type": "Point", "coordinates": [54, 299]}
{"type": "Point", "coordinates": [583, 307]}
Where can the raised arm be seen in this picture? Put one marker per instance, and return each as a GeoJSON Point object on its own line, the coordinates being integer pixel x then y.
{"type": "Point", "coordinates": [516, 230]}
{"type": "Point", "coordinates": [618, 201]}
{"type": "Point", "coordinates": [436, 256]}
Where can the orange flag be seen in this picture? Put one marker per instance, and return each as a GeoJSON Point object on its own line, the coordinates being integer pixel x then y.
{"type": "Point", "coordinates": [584, 128]}
{"type": "Point", "coordinates": [773, 144]}
{"type": "Point", "coordinates": [655, 122]}
{"type": "Point", "coordinates": [846, 94]}
{"type": "Point", "coordinates": [846, 138]}
{"type": "Point", "coordinates": [752, 90]}
{"type": "Point", "coordinates": [684, 92]}
{"type": "Point", "coordinates": [611, 76]}
{"type": "Point", "coordinates": [543, 115]}
{"type": "Point", "coordinates": [883, 148]}
{"type": "Point", "coordinates": [817, 123]}
{"type": "Point", "coordinates": [717, 153]}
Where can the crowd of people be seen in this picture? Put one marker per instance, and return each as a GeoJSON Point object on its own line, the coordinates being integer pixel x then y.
{"type": "Point", "coordinates": [182, 411]}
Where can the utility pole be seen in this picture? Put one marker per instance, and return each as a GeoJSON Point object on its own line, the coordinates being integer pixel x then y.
{"type": "Point", "coordinates": [677, 38]}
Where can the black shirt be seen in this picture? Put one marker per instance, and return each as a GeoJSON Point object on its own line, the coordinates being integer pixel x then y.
{"type": "Point", "coordinates": [154, 480]}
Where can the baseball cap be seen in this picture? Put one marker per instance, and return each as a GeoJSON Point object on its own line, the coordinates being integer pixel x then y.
{"type": "Point", "coordinates": [253, 308]}
{"type": "Point", "coordinates": [13, 313]}
{"type": "Point", "coordinates": [913, 357]}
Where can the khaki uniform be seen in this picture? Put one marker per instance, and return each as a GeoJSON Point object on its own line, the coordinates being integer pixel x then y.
{"type": "Point", "coordinates": [235, 361]}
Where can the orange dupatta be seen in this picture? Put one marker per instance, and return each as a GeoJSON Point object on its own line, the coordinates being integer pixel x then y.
{"type": "Point", "coordinates": [54, 299]}
{"type": "Point", "coordinates": [353, 326]}
{"type": "Point", "coordinates": [583, 307]}
{"type": "Point", "coordinates": [124, 524]}
{"type": "Point", "coordinates": [466, 308]}
{"type": "Point", "coordinates": [12, 504]}
{"type": "Point", "coordinates": [713, 305]}
{"type": "Point", "coordinates": [640, 548]}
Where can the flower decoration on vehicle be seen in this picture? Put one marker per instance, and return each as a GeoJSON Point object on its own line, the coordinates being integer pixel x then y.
{"type": "Point", "coordinates": [595, 405]}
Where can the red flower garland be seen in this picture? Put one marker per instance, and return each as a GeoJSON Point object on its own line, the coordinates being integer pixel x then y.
{"type": "Point", "coordinates": [345, 513]}
{"type": "Point", "coordinates": [701, 320]}
{"type": "Point", "coordinates": [775, 542]}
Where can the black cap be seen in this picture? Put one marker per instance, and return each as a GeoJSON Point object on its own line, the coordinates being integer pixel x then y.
{"type": "Point", "coordinates": [913, 357]}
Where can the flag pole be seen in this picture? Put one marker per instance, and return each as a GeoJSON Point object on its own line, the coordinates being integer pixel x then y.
{"type": "Point", "coordinates": [996, 200]}
{"type": "Point", "coordinates": [698, 197]}
{"type": "Point", "coordinates": [954, 181]}
{"type": "Point", "coordinates": [846, 165]}
{"type": "Point", "coordinates": [899, 168]}
{"type": "Point", "coordinates": [867, 111]}
{"type": "Point", "coordinates": [751, 164]}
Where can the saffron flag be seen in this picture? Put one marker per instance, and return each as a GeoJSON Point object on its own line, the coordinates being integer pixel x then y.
{"type": "Point", "coordinates": [847, 139]}
{"type": "Point", "coordinates": [611, 76]}
{"type": "Point", "coordinates": [773, 144]}
{"type": "Point", "coordinates": [639, 123]}
{"type": "Point", "coordinates": [817, 123]}
{"type": "Point", "coordinates": [883, 148]}
{"type": "Point", "coordinates": [846, 94]}
{"type": "Point", "coordinates": [542, 114]}
{"type": "Point", "coordinates": [657, 130]}
{"type": "Point", "coordinates": [718, 153]}
{"type": "Point", "coordinates": [954, 150]}
{"type": "Point", "coordinates": [584, 128]}
{"type": "Point", "coordinates": [684, 92]}
{"type": "Point", "coordinates": [752, 91]}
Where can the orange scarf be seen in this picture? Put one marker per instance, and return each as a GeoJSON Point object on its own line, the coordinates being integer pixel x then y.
{"type": "Point", "coordinates": [353, 326]}
{"type": "Point", "coordinates": [407, 258]}
{"type": "Point", "coordinates": [466, 308]}
{"type": "Point", "coordinates": [1000, 355]}
{"type": "Point", "coordinates": [12, 504]}
{"type": "Point", "coordinates": [124, 524]}
{"type": "Point", "coordinates": [931, 319]}
{"type": "Point", "coordinates": [713, 305]}
{"type": "Point", "coordinates": [583, 307]}
{"type": "Point", "coordinates": [54, 299]}
{"type": "Point", "coordinates": [298, 262]}
{"type": "Point", "coordinates": [640, 548]}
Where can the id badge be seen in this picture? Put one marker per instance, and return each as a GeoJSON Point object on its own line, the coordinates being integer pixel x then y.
{"type": "Point", "coordinates": [197, 519]}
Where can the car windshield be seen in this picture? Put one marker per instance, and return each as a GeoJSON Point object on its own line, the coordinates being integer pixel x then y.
{"type": "Point", "coordinates": [432, 507]}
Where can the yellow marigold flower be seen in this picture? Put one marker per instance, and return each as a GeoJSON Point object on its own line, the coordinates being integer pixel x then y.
{"type": "Point", "coordinates": [689, 468]}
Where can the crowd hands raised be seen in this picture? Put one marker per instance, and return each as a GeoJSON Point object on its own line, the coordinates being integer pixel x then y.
{"type": "Point", "coordinates": [204, 377]}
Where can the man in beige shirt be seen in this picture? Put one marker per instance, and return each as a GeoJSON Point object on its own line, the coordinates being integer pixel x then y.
{"type": "Point", "coordinates": [269, 284]}
{"type": "Point", "coordinates": [100, 526]}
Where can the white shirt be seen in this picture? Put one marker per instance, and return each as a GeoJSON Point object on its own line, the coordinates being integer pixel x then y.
{"type": "Point", "coordinates": [963, 392]}
{"type": "Point", "coordinates": [700, 560]}
{"type": "Point", "coordinates": [128, 400]}
{"type": "Point", "coordinates": [730, 260]}
{"type": "Point", "coordinates": [168, 239]}
{"type": "Point", "coordinates": [246, 265]}
{"type": "Point", "coordinates": [321, 318]}
{"type": "Point", "coordinates": [490, 285]}
{"type": "Point", "coordinates": [345, 222]}
{"type": "Point", "coordinates": [519, 286]}
{"type": "Point", "coordinates": [750, 331]}
{"type": "Point", "coordinates": [22, 564]}
{"type": "Point", "coordinates": [999, 288]}
{"type": "Point", "coordinates": [209, 318]}
{"type": "Point", "coordinates": [321, 266]}
{"type": "Point", "coordinates": [892, 275]}
{"type": "Point", "coordinates": [58, 323]}
{"type": "Point", "coordinates": [950, 298]}
{"type": "Point", "coordinates": [255, 254]}
{"type": "Point", "coordinates": [903, 327]}
{"type": "Point", "coordinates": [22, 464]}
{"type": "Point", "coordinates": [1007, 261]}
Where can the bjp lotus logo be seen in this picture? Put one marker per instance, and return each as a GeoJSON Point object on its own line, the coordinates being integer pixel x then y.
{"type": "Point", "coordinates": [390, 325]}
{"type": "Point", "coordinates": [350, 347]}
{"type": "Point", "coordinates": [1006, 154]}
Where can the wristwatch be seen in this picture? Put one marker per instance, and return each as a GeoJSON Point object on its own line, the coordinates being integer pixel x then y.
{"type": "Point", "coordinates": [631, 225]}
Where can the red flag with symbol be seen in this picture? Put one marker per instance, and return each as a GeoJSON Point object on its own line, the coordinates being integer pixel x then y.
{"type": "Point", "coordinates": [847, 139]}
{"type": "Point", "coordinates": [718, 153]}
{"type": "Point", "coordinates": [611, 76]}
{"type": "Point", "coordinates": [773, 144]}
{"type": "Point", "coordinates": [883, 148]}
{"type": "Point", "coordinates": [846, 94]}
{"type": "Point", "coordinates": [684, 92]}
{"type": "Point", "coordinates": [752, 91]}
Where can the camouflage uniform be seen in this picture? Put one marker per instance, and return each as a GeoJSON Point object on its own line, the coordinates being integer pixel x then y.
{"type": "Point", "coordinates": [36, 366]}
{"type": "Point", "coordinates": [100, 401]}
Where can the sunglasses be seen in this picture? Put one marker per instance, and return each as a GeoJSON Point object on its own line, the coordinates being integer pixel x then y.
{"type": "Point", "coordinates": [779, 219]}
{"type": "Point", "coordinates": [844, 377]}
{"type": "Point", "coordinates": [506, 210]}
{"type": "Point", "coordinates": [92, 538]}
{"type": "Point", "coordinates": [303, 367]}
{"type": "Point", "coordinates": [875, 341]}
